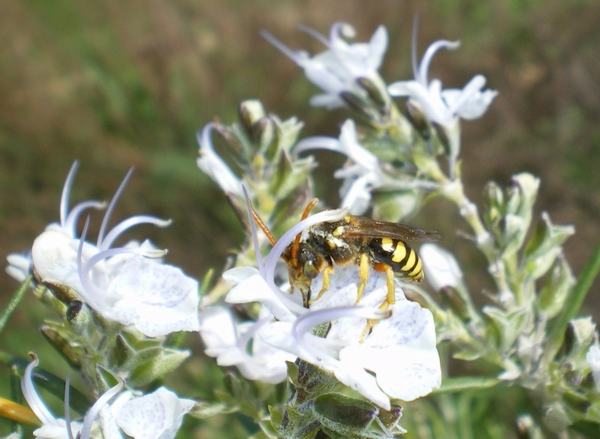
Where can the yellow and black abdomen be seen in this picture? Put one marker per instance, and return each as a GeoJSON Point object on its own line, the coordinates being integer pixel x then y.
{"type": "Point", "coordinates": [397, 254]}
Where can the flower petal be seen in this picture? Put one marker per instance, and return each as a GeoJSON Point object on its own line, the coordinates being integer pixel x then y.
{"type": "Point", "coordinates": [440, 266]}
{"type": "Point", "coordinates": [157, 298]}
{"type": "Point", "coordinates": [157, 415]}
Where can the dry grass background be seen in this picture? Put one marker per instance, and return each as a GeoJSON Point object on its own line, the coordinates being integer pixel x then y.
{"type": "Point", "coordinates": [127, 83]}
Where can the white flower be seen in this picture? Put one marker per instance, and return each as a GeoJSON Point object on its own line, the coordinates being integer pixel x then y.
{"type": "Point", "coordinates": [362, 172]}
{"type": "Point", "coordinates": [593, 359]}
{"type": "Point", "coordinates": [400, 349]}
{"type": "Point", "coordinates": [58, 428]}
{"type": "Point", "coordinates": [227, 340]}
{"type": "Point", "coordinates": [211, 164]}
{"type": "Point", "coordinates": [440, 267]}
{"type": "Point", "coordinates": [122, 284]}
{"type": "Point", "coordinates": [19, 266]}
{"type": "Point", "coordinates": [337, 69]}
{"type": "Point", "coordinates": [156, 415]}
{"type": "Point", "coordinates": [444, 106]}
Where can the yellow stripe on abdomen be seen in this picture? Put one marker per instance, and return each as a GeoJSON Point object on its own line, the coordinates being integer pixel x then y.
{"type": "Point", "coordinates": [387, 245]}
{"type": "Point", "coordinates": [399, 253]}
{"type": "Point", "coordinates": [416, 270]}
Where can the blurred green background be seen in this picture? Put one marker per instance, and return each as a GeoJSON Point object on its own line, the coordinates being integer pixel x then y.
{"type": "Point", "coordinates": [128, 83]}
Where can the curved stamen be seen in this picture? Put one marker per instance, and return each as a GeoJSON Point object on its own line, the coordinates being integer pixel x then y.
{"type": "Point", "coordinates": [85, 281]}
{"type": "Point", "coordinates": [70, 223]}
{"type": "Point", "coordinates": [340, 28]}
{"type": "Point", "coordinates": [128, 223]}
{"type": "Point", "coordinates": [84, 271]}
{"type": "Point", "coordinates": [66, 193]}
{"type": "Point", "coordinates": [288, 237]}
{"type": "Point", "coordinates": [280, 246]}
{"type": "Point", "coordinates": [316, 35]}
{"type": "Point", "coordinates": [317, 142]}
{"type": "Point", "coordinates": [151, 253]}
{"type": "Point", "coordinates": [414, 49]}
{"type": "Point", "coordinates": [98, 405]}
{"type": "Point", "coordinates": [111, 206]}
{"type": "Point", "coordinates": [31, 396]}
{"type": "Point", "coordinates": [429, 53]}
{"type": "Point", "coordinates": [294, 56]}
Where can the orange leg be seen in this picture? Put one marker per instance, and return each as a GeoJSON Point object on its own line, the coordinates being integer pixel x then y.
{"type": "Point", "coordinates": [390, 298]}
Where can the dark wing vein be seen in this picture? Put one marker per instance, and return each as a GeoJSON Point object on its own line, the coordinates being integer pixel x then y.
{"type": "Point", "coordinates": [366, 227]}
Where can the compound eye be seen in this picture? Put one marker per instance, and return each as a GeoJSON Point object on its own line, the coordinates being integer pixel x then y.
{"type": "Point", "coordinates": [310, 270]}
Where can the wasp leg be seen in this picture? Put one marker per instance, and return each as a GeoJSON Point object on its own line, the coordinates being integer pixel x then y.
{"type": "Point", "coordinates": [390, 298]}
{"type": "Point", "coordinates": [391, 287]}
{"type": "Point", "coordinates": [325, 287]}
{"type": "Point", "coordinates": [363, 274]}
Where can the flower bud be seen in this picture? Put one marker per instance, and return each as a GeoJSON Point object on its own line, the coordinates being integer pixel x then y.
{"type": "Point", "coordinates": [584, 331]}
{"type": "Point", "coordinates": [568, 340]}
{"type": "Point", "coordinates": [250, 112]}
{"type": "Point", "coordinates": [352, 417]}
{"type": "Point", "coordinates": [263, 135]}
{"type": "Point", "coordinates": [377, 94]}
{"type": "Point", "coordinates": [62, 292]}
{"type": "Point", "coordinates": [444, 138]}
{"type": "Point", "coordinates": [417, 118]}
{"type": "Point", "coordinates": [513, 231]}
{"type": "Point", "coordinates": [556, 418]}
{"type": "Point", "coordinates": [526, 428]}
{"type": "Point", "coordinates": [334, 408]}
{"type": "Point", "coordinates": [522, 194]}
{"type": "Point", "coordinates": [359, 105]}
{"type": "Point", "coordinates": [79, 317]}
{"type": "Point", "coordinates": [72, 353]}
{"type": "Point", "coordinates": [493, 199]}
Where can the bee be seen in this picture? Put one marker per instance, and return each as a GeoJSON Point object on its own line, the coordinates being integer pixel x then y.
{"type": "Point", "coordinates": [354, 240]}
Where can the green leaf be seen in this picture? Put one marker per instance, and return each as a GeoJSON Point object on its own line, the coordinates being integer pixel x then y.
{"type": "Point", "coordinates": [573, 303]}
{"type": "Point", "coordinates": [465, 384]}
{"type": "Point", "coordinates": [153, 364]}
{"type": "Point", "coordinates": [14, 302]}
{"type": "Point", "coordinates": [544, 246]}
{"type": "Point", "coordinates": [332, 409]}
{"type": "Point", "coordinates": [207, 410]}
{"type": "Point", "coordinates": [555, 291]}
{"type": "Point", "coordinates": [394, 206]}
{"type": "Point", "coordinates": [507, 326]}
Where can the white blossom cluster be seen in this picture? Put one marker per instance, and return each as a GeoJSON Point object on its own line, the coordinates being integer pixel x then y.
{"type": "Point", "coordinates": [128, 285]}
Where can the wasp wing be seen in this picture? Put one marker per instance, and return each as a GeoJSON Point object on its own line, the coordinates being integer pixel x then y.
{"type": "Point", "coordinates": [361, 226]}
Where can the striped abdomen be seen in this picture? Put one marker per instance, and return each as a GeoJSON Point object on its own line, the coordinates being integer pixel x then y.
{"type": "Point", "coordinates": [397, 254]}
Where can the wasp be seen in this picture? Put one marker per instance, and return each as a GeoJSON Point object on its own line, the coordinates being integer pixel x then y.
{"type": "Point", "coordinates": [354, 240]}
